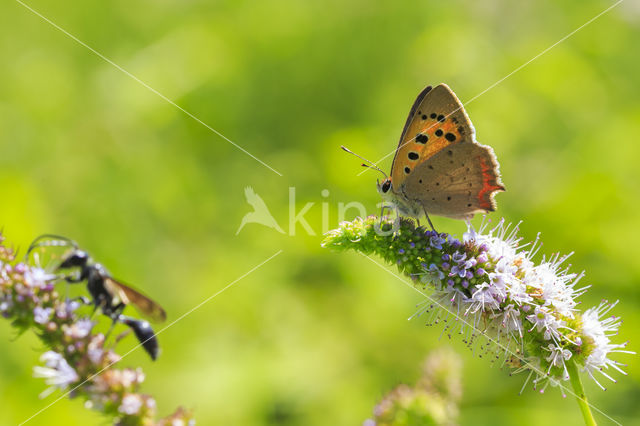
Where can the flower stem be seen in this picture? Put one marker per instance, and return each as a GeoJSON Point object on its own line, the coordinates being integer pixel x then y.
{"type": "Point", "coordinates": [576, 383]}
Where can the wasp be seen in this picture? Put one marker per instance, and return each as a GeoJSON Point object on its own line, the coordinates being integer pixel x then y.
{"type": "Point", "coordinates": [109, 295]}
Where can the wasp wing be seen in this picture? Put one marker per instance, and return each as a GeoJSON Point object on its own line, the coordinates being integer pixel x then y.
{"type": "Point", "coordinates": [142, 303]}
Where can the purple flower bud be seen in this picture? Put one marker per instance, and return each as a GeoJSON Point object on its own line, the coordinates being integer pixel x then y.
{"type": "Point", "coordinates": [469, 274]}
{"type": "Point", "coordinates": [401, 251]}
{"type": "Point", "coordinates": [465, 283]}
{"type": "Point", "coordinates": [412, 244]}
{"type": "Point", "coordinates": [480, 272]}
{"type": "Point", "coordinates": [436, 242]}
{"type": "Point", "coordinates": [446, 266]}
{"type": "Point", "coordinates": [450, 283]}
{"type": "Point", "coordinates": [482, 258]}
{"type": "Point", "coordinates": [21, 268]}
{"type": "Point", "coordinates": [446, 257]}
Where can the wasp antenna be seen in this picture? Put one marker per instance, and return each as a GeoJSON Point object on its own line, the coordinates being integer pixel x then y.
{"type": "Point", "coordinates": [57, 240]}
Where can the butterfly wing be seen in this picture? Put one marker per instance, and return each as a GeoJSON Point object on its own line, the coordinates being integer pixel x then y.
{"type": "Point", "coordinates": [458, 181]}
{"type": "Point", "coordinates": [436, 120]}
{"type": "Point", "coordinates": [142, 303]}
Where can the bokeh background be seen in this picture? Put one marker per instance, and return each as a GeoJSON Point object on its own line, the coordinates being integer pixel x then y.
{"type": "Point", "coordinates": [312, 337]}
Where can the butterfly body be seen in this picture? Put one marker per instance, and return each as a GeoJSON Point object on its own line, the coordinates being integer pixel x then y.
{"type": "Point", "coordinates": [439, 167]}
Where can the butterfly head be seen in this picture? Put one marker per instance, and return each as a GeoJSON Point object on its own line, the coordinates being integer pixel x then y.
{"type": "Point", "coordinates": [384, 187]}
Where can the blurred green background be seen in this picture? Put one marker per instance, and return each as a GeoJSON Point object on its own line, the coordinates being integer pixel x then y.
{"type": "Point", "coordinates": [311, 337]}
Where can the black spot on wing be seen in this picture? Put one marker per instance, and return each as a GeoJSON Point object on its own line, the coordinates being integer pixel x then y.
{"type": "Point", "coordinates": [422, 138]}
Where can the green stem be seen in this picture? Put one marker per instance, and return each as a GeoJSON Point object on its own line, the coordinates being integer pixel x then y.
{"type": "Point", "coordinates": [576, 383]}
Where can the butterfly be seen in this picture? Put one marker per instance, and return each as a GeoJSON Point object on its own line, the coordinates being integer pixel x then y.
{"type": "Point", "coordinates": [439, 168]}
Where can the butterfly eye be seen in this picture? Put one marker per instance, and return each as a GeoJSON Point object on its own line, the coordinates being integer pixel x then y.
{"type": "Point", "coordinates": [386, 186]}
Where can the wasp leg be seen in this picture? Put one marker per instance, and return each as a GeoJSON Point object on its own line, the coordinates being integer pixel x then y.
{"type": "Point", "coordinates": [71, 279]}
{"type": "Point", "coordinates": [115, 317]}
{"type": "Point", "coordinates": [84, 300]}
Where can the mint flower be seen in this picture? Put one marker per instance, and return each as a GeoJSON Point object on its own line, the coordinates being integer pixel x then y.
{"type": "Point", "coordinates": [433, 400]}
{"type": "Point", "coordinates": [78, 360]}
{"type": "Point", "coordinates": [57, 372]}
{"type": "Point", "coordinates": [496, 291]}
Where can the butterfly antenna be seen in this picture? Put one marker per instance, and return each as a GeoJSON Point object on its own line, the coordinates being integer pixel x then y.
{"type": "Point", "coordinates": [371, 164]}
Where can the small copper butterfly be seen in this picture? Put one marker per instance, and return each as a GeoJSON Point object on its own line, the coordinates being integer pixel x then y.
{"type": "Point", "coordinates": [439, 168]}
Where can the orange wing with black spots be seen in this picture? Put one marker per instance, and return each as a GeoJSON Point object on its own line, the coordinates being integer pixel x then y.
{"type": "Point", "coordinates": [436, 120]}
{"type": "Point", "coordinates": [456, 182]}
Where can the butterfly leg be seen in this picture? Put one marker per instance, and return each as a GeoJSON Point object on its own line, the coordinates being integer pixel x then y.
{"type": "Point", "coordinates": [382, 209]}
{"type": "Point", "coordinates": [429, 220]}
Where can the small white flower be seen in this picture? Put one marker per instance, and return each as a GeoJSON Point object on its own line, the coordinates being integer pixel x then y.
{"type": "Point", "coordinates": [517, 291]}
{"type": "Point", "coordinates": [131, 404]}
{"type": "Point", "coordinates": [128, 378]}
{"type": "Point", "coordinates": [502, 244]}
{"type": "Point", "coordinates": [37, 277]}
{"type": "Point", "coordinates": [482, 299]}
{"type": "Point", "coordinates": [556, 287]}
{"type": "Point", "coordinates": [558, 355]}
{"type": "Point", "coordinates": [600, 331]}
{"type": "Point", "coordinates": [5, 305]}
{"type": "Point", "coordinates": [436, 273]}
{"type": "Point", "coordinates": [557, 358]}
{"type": "Point", "coordinates": [543, 319]}
{"type": "Point", "coordinates": [41, 315]}
{"type": "Point", "coordinates": [57, 373]}
{"type": "Point", "coordinates": [511, 319]}
{"type": "Point", "coordinates": [79, 329]}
